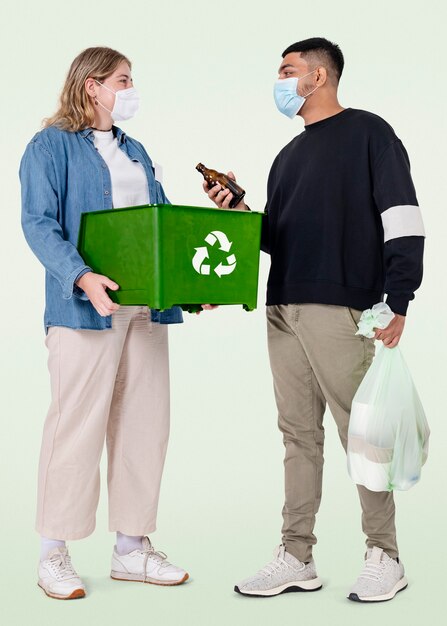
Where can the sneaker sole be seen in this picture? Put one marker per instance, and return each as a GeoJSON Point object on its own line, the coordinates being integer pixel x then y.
{"type": "Point", "coordinates": [297, 586]}
{"type": "Point", "coordinates": [138, 578]}
{"type": "Point", "coordinates": [399, 586]}
{"type": "Point", "coordinates": [74, 595]}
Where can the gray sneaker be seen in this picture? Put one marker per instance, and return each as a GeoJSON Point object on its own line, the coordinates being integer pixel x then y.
{"type": "Point", "coordinates": [285, 573]}
{"type": "Point", "coordinates": [381, 578]}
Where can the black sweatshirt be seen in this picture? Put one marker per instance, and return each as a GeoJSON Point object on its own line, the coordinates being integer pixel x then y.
{"type": "Point", "coordinates": [342, 221]}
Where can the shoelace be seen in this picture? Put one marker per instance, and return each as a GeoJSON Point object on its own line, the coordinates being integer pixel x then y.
{"type": "Point", "coordinates": [271, 568]}
{"type": "Point", "coordinates": [278, 564]}
{"type": "Point", "coordinates": [372, 571]}
{"type": "Point", "coordinates": [151, 552]}
{"type": "Point", "coordinates": [61, 566]}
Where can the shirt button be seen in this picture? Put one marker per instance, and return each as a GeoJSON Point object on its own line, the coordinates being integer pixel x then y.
{"type": "Point", "coordinates": [104, 166]}
{"type": "Point", "coordinates": [106, 193]}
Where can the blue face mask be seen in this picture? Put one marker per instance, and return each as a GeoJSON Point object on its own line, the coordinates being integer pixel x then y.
{"type": "Point", "coordinates": [286, 95]}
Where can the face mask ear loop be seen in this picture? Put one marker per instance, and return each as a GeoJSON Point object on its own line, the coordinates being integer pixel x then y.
{"type": "Point", "coordinates": [96, 99]}
{"type": "Point", "coordinates": [108, 88]}
{"type": "Point", "coordinates": [315, 88]}
{"type": "Point", "coordinates": [310, 92]}
{"type": "Point", "coordinates": [101, 105]}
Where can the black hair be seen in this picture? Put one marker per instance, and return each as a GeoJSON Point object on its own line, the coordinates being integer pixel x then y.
{"type": "Point", "coordinates": [323, 48]}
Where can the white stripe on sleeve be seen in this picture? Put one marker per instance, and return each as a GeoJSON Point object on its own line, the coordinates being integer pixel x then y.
{"type": "Point", "coordinates": [402, 221]}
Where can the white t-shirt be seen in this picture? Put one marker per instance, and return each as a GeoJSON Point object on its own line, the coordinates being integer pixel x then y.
{"type": "Point", "coordinates": [129, 182]}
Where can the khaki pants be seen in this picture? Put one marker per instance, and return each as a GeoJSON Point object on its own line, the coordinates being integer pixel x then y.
{"type": "Point", "coordinates": [316, 359]}
{"type": "Point", "coordinates": [114, 385]}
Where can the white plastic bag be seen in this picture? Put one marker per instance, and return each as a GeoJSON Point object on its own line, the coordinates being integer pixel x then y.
{"type": "Point", "coordinates": [388, 431]}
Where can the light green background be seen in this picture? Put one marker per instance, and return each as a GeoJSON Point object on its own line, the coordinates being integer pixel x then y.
{"type": "Point", "coordinates": [205, 72]}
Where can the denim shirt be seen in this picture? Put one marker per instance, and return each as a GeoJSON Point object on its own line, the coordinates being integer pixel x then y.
{"type": "Point", "coordinates": [62, 175]}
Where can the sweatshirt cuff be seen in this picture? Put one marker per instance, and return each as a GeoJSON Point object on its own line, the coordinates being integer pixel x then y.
{"type": "Point", "coordinates": [398, 304]}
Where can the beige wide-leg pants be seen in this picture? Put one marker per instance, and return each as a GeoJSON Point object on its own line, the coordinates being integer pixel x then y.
{"type": "Point", "coordinates": [114, 385]}
{"type": "Point", "coordinates": [316, 359]}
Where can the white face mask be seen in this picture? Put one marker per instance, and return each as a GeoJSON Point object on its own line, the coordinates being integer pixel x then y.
{"type": "Point", "coordinates": [127, 103]}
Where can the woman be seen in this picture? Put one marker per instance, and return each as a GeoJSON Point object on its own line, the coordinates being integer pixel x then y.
{"type": "Point", "coordinates": [108, 364]}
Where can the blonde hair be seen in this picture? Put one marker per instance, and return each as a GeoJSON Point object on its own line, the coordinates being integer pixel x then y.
{"type": "Point", "coordinates": [76, 111]}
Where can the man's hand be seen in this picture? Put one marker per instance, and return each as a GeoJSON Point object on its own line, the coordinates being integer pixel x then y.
{"type": "Point", "coordinates": [392, 333]}
{"type": "Point", "coordinates": [95, 286]}
{"type": "Point", "coordinates": [222, 197]}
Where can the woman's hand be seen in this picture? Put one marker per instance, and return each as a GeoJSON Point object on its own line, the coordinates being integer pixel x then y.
{"type": "Point", "coordinates": [95, 286]}
{"type": "Point", "coordinates": [222, 197]}
{"type": "Point", "coordinates": [207, 307]}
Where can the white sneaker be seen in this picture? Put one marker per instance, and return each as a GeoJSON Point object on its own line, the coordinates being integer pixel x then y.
{"type": "Point", "coordinates": [285, 573]}
{"type": "Point", "coordinates": [58, 578]}
{"type": "Point", "coordinates": [146, 566]}
{"type": "Point", "coordinates": [381, 578]}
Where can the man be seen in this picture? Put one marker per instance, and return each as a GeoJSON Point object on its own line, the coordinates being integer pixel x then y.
{"type": "Point", "coordinates": [343, 228]}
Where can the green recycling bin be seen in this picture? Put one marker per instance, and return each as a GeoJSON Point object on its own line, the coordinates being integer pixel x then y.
{"type": "Point", "coordinates": [163, 255]}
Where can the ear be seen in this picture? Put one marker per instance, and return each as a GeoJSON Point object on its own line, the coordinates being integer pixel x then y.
{"type": "Point", "coordinates": [90, 87]}
{"type": "Point", "coordinates": [321, 76]}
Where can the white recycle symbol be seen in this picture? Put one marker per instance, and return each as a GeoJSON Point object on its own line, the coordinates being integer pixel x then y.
{"type": "Point", "coordinates": [202, 254]}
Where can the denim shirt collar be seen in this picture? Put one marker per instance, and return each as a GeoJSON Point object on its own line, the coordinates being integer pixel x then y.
{"type": "Point", "coordinates": [117, 132]}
